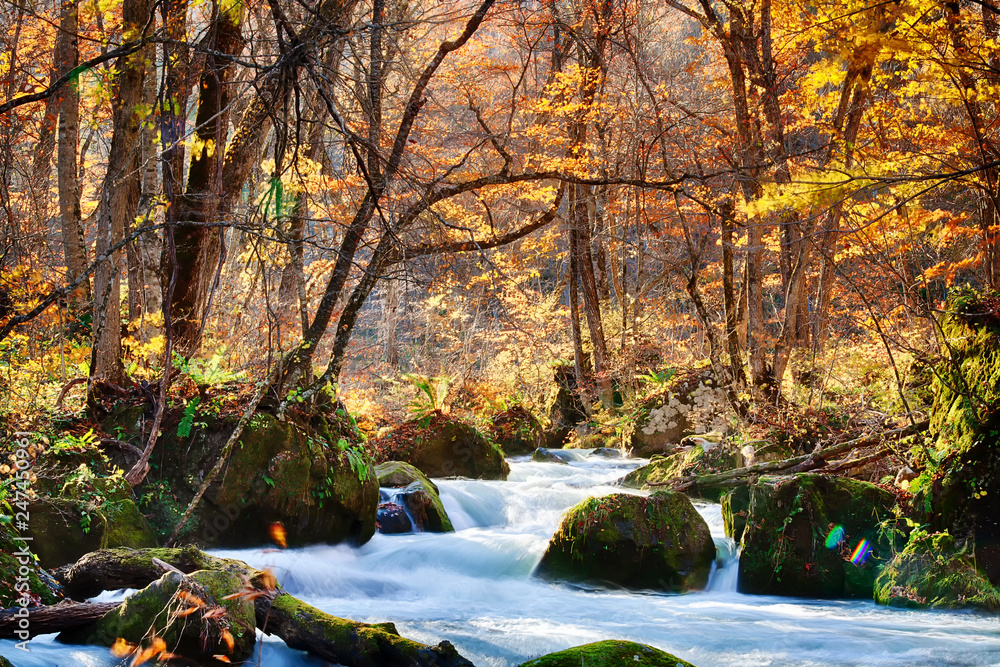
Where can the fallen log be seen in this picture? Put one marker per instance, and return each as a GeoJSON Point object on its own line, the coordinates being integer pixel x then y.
{"type": "Point", "coordinates": [67, 615]}
{"type": "Point", "coordinates": [804, 463]}
{"type": "Point", "coordinates": [301, 626]}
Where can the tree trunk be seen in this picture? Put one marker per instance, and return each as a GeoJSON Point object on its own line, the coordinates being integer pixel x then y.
{"type": "Point", "coordinates": [150, 245]}
{"type": "Point", "coordinates": [198, 246]}
{"type": "Point", "coordinates": [74, 246]}
{"type": "Point", "coordinates": [119, 199]}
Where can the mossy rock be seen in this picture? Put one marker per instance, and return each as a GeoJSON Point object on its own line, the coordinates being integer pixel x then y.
{"type": "Point", "coordinates": [609, 653]}
{"type": "Point", "coordinates": [440, 446]}
{"type": "Point", "coordinates": [517, 431]}
{"type": "Point", "coordinates": [321, 491]}
{"type": "Point", "coordinates": [4, 662]}
{"type": "Point", "coordinates": [789, 521]}
{"type": "Point", "coordinates": [420, 495]}
{"type": "Point", "coordinates": [91, 513]}
{"type": "Point", "coordinates": [698, 460]}
{"type": "Point", "coordinates": [965, 425]}
{"type": "Point", "coordinates": [932, 572]}
{"type": "Point", "coordinates": [735, 507]}
{"type": "Point", "coordinates": [161, 606]}
{"type": "Point", "coordinates": [15, 554]}
{"type": "Point", "coordinates": [659, 542]}
{"type": "Point", "coordinates": [398, 474]}
{"type": "Point", "coordinates": [692, 403]}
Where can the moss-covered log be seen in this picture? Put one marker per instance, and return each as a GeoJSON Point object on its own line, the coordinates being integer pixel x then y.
{"type": "Point", "coordinates": [302, 626]}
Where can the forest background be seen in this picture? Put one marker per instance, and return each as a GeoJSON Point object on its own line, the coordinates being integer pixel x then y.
{"type": "Point", "coordinates": [305, 198]}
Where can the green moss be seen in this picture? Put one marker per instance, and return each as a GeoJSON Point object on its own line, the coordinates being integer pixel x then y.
{"type": "Point", "coordinates": [695, 461]}
{"type": "Point", "coordinates": [609, 653]}
{"type": "Point", "coordinates": [277, 471]}
{"type": "Point", "coordinates": [735, 505]}
{"type": "Point", "coordinates": [784, 550]}
{"type": "Point", "coordinates": [157, 609]}
{"type": "Point", "coordinates": [41, 587]}
{"type": "Point", "coordinates": [659, 542]}
{"type": "Point", "coordinates": [933, 572]}
{"type": "Point", "coordinates": [963, 495]}
{"type": "Point", "coordinates": [363, 643]}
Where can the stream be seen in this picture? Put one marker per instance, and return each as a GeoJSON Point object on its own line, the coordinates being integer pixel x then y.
{"type": "Point", "coordinates": [474, 588]}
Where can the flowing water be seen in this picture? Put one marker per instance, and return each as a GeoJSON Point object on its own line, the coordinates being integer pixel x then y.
{"type": "Point", "coordinates": [474, 588]}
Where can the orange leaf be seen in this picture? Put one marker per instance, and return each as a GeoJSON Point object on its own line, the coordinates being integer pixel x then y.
{"type": "Point", "coordinates": [190, 599]}
{"type": "Point", "coordinates": [278, 534]}
{"type": "Point", "coordinates": [221, 658]}
{"type": "Point", "coordinates": [122, 648]}
{"type": "Point", "coordinates": [185, 612]}
{"type": "Point", "coordinates": [227, 637]}
{"type": "Point", "coordinates": [268, 580]}
{"type": "Point", "coordinates": [214, 612]}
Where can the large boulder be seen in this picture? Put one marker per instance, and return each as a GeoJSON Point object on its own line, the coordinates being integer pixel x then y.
{"type": "Point", "coordinates": [419, 495]}
{"type": "Point", "coordinates": [517, 431]}
{"type": "Point", "coordinates": [702, 458]}
{"type": "Point", "coordinates": [815, 535]}
{"type": "Point", "coordinates": [220, 624]}
{"type": "Point", "coordinates": [23, 583]}
{"type": "Point", "coordinates": [933, 572]}
{"type": "Point", "coordinates": [609, 653]}
{"type": "Point", "coordinates": [691, 404]}
{"type": "Point", "coordinates": [440, 446]}
{"type": "Point", "coordinates": [659, 542]}
{"type": "Point", "coordinates": [964, 495]}
{"type": "Point", "coordinates": [90, 513]}
{"type": "Point", "coordinates": [321, 487]}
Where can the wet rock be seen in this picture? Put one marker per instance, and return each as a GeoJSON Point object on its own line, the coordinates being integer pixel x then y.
{"type": "Point", "coordinates": [606, 453]}
{"type": "Point", "coordinates": [933, 572]}
{"type": "Point", "coordinates": [517, 431]}
{"type": "Point", "coordinates": [420, 495]}
{"type": "Point", "coordinates": [609, 653]}
{"type": "Point", "coordinates": [543, 455]}
{"type": "Point", "coordinates": [659, 542]}
{"type": "Point", "coordinates": [802, 532]}
{"type": "Point", "coordinates": [440, 446]}
{"type": "Point", "coordinates": [392, 519]}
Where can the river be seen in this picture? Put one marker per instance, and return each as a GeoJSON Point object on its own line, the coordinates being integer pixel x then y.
{"type": "Point", "coordinates": [474, 588]}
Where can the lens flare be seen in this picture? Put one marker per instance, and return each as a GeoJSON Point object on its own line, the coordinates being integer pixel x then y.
{"type": "Point", "coordinates": [861, 552]}
{"type": "Point", "coordinates": [835, 537]}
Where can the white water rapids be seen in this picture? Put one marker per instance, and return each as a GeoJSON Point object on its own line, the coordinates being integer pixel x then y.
{"type": "Point", "coordinates": [474, 588]}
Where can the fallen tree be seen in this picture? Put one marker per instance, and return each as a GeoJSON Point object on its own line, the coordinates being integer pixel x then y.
{"type": "Point", "coordinates": [817, 460]}
{"type": "Point", "coordinates": [300, 625]}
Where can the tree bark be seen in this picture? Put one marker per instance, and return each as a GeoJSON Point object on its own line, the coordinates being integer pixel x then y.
{"type": "Point", "coordinates": [198, 247]}
{"type": "Point", "coordinates": [119, 198]}
{"type": "Point", "coordinates": [74, 246]}
{"type": "Point", "coordinates": [55, 618]}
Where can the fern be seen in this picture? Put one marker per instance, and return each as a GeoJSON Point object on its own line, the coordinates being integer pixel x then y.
{"type": "Point", "coordinates": [184, 428]}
